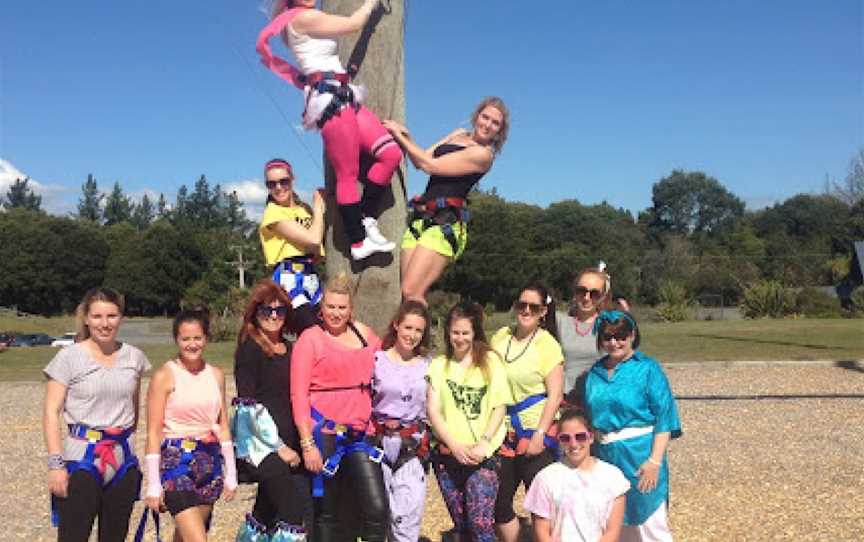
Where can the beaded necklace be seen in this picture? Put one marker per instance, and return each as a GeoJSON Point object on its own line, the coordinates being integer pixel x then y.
{"type": "Point", "coordinates": [525, 349]}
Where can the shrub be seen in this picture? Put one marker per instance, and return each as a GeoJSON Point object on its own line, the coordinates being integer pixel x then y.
{"type": "Point", "coordinates": [674, 304]}
{"type": "Point", "coordinates": [857, 299]}
{"type": "Point", "coordinates": [814, 303]}
{"type": "Point", "coordinates": [767, 299]}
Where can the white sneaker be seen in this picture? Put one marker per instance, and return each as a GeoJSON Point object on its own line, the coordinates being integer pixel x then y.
{"type": "Point", "coordinates": [372, 231]}
{"type": "Point", "coordinates": [370, 247]}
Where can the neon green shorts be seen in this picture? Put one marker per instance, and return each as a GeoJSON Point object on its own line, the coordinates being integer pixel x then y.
{"type": "Point", "coordinates": [433, 238]}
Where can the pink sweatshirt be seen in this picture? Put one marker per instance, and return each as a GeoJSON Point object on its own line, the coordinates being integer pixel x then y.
{"type": "Point", "coordinates": [320, 363]}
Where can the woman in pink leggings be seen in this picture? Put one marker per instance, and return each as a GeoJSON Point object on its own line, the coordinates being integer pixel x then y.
{"type": "Point", "coordinates": [334, 106]}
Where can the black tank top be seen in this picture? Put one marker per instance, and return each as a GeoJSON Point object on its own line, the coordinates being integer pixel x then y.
{"type": "Point", "coordinates": [447, 187]}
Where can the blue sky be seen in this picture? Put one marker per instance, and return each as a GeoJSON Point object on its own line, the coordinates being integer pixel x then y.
{"type": "Point", "coordinates": [606, 97]}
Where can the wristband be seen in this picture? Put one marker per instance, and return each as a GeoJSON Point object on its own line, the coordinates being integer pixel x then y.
{"type": "Point", "coordinates": [151, 474]}
{"type": "Point", "coordinates": [307, 443]}
{"type": "Point", "coordinates": [230, 464]}
{"type": "Point", "coordinates": [56, 462]}
{"type": "Point", "coordinates": [655, 463]}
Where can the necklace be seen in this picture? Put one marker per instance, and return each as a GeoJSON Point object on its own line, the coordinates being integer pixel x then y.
{"type": "Point", "coordinates": [510, 340]}
{"type": "Point", "coordinates": [589, 323]}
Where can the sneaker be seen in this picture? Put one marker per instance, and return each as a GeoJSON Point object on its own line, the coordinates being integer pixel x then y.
{"type": "Point", "coordinates": [372, 231]}
{"type": "Point", "coordinates": [369, 247]}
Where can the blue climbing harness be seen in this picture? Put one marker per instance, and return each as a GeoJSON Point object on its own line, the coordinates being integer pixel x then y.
{"type": "Point", "coordinates": [188, 448]}
{"type": "Point", "coordinates": [348, 440]}
{"type": "Point", "coordinates": [514, 410]}
{"type": "Point", "coordinates": [298, 276]}
{"type": "Point", "coordinates": [139, 533]}
{"type": "Point", "coordinates": [98, 441]}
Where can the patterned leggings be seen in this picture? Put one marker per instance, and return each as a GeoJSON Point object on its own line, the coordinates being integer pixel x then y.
{"type": "Point", "coordinates": [469, 493]}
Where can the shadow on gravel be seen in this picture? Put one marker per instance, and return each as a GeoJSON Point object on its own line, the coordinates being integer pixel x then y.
{"type": "Point", "coordinates": [850, 365]}
{"type": "Point", "coordinates": [769, 396]}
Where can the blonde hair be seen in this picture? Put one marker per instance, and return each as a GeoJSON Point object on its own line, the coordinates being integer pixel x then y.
{"type": "Point", "coordinates": [94, 295]}
{"type": "Point", "coordinates": [339, 284]}
{"type": "Point", "coordinates": [497, 103]}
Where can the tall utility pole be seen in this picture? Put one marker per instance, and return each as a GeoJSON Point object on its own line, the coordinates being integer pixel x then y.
{"type": "Point", "coordinates": [379, 52]}
{"type": "Point", "coordinates": [240, 265]}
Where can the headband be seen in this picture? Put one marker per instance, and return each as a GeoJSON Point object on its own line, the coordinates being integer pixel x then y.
{"type": "Point", "coordinates": [611, 317]}
{"type": "Point", "coordinates": [278, 162]}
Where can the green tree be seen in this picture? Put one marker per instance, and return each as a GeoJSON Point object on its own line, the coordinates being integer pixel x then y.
{"type": "Point", "coordinates": [821, 222]}
{"type": "Point", "coordinates": [851, 190]}
{"type": "Point", "coordinates": [21, 196]}
{"type": "Point", "coordinates": [89, 205]}
{"type": "Point", "coordinates": [687, 203]}
{"type": "Point", "coordinates": [118, 207]}
{"type": "Point", "coordinates": [162, 210]}
{"type": "Point", "coordinates": [143, 213]}
{"type": "Point", "coordinates": [48, 262]}
{"type": "Point", "coordinates": [675, 262]}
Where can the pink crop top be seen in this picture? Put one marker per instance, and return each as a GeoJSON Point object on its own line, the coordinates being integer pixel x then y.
{"type": "Point", "coordinates": [193, 406]}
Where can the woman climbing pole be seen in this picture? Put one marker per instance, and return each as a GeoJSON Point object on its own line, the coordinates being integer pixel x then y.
{"type": "Point", "coordinates": [437, 230]}
{"type": "Point", "coordinates": [334, 107]}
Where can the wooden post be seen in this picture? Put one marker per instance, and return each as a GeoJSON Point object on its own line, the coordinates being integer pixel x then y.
{"type": "Point", "coordinates": [379, 53]}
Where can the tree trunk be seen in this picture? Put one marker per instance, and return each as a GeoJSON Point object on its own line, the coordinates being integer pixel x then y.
{"type": "Point", "coordinates": [379, 53]}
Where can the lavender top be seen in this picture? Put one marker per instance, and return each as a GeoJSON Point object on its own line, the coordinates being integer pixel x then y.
{"type": "Point", "coordinates": [399, 389]}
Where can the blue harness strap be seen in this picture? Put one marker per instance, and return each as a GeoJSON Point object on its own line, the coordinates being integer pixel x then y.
{"type": "Point", "coordinates": [88, 462]}
{"type": "Point", "coordinates": [348, 440]}
{"type": "Point", "coordinates": [189, 447]}
{"type": "Point", "coordinates": [300, 267]}
{"type": "Point", "coordinates": [514, 410]}
{"type": "Point", "coordinates": [139, 533]}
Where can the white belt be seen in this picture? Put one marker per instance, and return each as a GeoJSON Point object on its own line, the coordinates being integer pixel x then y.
{"type": "Point", "coordinates": [627, 432]}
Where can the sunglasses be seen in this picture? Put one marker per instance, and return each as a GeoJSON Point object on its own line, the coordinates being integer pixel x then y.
{"type": "Point", "coordinates": [580, 292]}
{"type": "Point", "coordinates": [566, 438]}
{"type": "Point", "coordinates": [266, 311]}
{"type": "Point", "coordinates": [284, 183]}
{"type": "Point", "coordinates": [621, 336]}
{"type": "Point", "coordinates": [522, 306]}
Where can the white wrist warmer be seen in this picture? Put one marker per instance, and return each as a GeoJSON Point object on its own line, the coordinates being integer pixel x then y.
{"type": "Point", "coordinates": [230, 464]}
{"type": "Point", "coordinates": [151, 476]}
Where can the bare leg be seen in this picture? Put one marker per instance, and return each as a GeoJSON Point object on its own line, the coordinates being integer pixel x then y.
{"type": "Point", "coordinates": [190, 524]}
{"type": "Point", "coordinates": [421, 271]}
{"type": "Point", "coordinates": [508, 532]}
{"type": "Point", "coordinates": [405, 261]}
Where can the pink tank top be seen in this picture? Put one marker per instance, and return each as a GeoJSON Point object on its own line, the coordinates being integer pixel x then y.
{"type": "Point", "coordinates": [192, 409]}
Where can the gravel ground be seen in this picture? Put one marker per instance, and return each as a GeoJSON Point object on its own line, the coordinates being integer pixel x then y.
{"type": "Point", "coordinates": [788, 467]}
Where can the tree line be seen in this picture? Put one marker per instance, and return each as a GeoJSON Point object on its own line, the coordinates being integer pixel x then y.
{"type": "Point", "coordinates": [696, 240]}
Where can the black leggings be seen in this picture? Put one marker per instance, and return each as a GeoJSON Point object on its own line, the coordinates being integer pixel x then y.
{"type": "Point", "coordinates": [516, 470]}
{"type": "Point", "coordinates": [87, 500]}
{"type": "Point", "coordinates": [358, 485]}
{"type": "Point", "coordinates": [283, 494]}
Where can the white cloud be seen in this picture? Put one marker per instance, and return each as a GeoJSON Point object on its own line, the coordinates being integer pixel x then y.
{"type": "Point", "coordinates": [9, 174]}
{"type": "Point", "coordinates": [55, 197]}
{"type": "Point", "coordinates": [253, 194]}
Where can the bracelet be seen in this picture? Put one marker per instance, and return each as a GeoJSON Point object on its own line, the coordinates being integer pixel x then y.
{"type": "Point", "coordinates": [655, 463]}
{"type": "Point", "coordinates": [56, 462]}
{"type": "Point", "coordinates": [307, 443]}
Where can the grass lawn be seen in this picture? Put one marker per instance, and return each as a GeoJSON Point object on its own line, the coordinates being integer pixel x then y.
{"type": "Point", "coordinates": [756, 340]}
{"type": "Point", "coordinates": [26, 364]}
{"type": "Point", "coordinates": [55, 326]}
